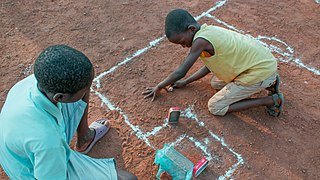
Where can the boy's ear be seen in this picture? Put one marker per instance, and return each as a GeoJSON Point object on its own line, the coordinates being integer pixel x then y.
{"type": "Point", "coordinates": [59, 97]}
{"type": "Point", "coordinates": [192, 27]}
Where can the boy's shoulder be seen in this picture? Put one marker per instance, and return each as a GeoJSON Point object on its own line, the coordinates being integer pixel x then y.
{"type": "Point", "coordinates": [18, 96]}
{"type": "Point", "coordinates": [22, 86]}
{"type": "Point", "coordinates": [213, 28]}
{"type": "Point", "coordinates": [19, 109]}
{"type": "Point", "coordinates": [29, 126]}
{"type": "Point", "coordinates": [206, 30]}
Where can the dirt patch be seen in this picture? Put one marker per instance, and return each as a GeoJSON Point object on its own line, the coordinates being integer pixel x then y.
{"type": "Point", "coordinates": [110, 31]}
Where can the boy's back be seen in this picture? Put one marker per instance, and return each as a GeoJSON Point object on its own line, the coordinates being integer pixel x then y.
{"type": "Point", "coordinates": [237, 57]}
{"type": "Point", "coordinates": [26, 133]}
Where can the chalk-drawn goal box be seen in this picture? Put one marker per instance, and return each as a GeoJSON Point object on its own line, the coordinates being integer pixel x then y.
{"type": "Point", "coordinates": [194, 144]}
{"type": "Point", "coordinates": [123, 88]}
{"type": "Point", "coordinates": [121, 91]}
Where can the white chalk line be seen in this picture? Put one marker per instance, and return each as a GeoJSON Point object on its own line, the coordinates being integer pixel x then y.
{"type": "Point", "coordinates": [189, 114]}
{"type": "Point", "coordinates": [151, 44]}
{"type": "Point", "coordinates": [28, 70]}
{"type": "Point", "coordinates": [218, 5]}
{"type": "Point", "coordinates": [288, 54]}
{"type": "Point", "coordinates": [126, 60]}
{"type": "Point", "coordinates": [136, 129]}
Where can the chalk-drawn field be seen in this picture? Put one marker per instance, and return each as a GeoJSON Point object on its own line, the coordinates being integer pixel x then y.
{"type": "Point", "coordinates": [125, 41]}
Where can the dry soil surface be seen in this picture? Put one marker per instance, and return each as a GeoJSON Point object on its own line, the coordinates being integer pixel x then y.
{"type": "Point", "coordinates": [110, 31]}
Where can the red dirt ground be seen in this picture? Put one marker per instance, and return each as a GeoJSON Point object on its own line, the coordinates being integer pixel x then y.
{"type": "Point", "coordinates": [109, 31]}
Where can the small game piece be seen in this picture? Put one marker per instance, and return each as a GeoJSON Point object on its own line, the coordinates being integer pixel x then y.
{"type": "Point", "coordinates": [173, 115]}
{"type": "Point", "coordinates": [200, 166]}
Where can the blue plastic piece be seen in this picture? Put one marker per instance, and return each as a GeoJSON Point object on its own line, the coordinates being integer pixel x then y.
{"type": "Point", "coordinates": [174, 163]}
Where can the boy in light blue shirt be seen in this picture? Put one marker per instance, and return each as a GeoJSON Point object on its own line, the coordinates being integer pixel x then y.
{"type": "Point", "coordinates": [41, 115]}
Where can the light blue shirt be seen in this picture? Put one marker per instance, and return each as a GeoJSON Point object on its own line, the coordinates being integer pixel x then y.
{"type": "Point", "coordinates": [32, 135]}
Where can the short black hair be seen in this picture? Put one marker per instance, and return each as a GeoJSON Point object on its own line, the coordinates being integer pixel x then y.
{"type": "Point", "coordinates": [177, 21]}
{"type": "Point", "coordinates": [62, 69]}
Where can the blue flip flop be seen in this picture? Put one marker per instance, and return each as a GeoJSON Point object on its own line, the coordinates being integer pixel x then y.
{"type": "Point", "coordinates": [100, 130]}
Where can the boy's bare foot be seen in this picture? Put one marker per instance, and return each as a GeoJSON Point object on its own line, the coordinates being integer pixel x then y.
{"type": "Point", "coordinates": [83, 142]}
{"type": "Point", "coordinates": [95, 132]}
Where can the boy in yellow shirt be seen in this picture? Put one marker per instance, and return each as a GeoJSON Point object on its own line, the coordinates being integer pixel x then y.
{"type": "Point", "coordinates": [242, 66]}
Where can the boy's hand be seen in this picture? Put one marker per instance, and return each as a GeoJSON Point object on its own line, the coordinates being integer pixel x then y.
{"type": "Point", "coordinates": [179, 84]}
{"type": "Point", "coordinates": [151, 92]}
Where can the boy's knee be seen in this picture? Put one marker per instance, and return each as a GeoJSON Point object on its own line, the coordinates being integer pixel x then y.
{"type": "Point", "coordinates": [217, 109]}
{"type": "Point", "coordinates": [125, 175]}
{"type": "Point", "coordinates": [216, 83]}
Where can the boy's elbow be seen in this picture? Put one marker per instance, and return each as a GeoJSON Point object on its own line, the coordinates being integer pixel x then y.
{"type": "Point", "coordinates": [179, 74]}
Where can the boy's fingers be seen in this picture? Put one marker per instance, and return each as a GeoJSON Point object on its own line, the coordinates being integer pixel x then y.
{"type": "Point", "coordinates": [154, 95]}
{"type": "Point", "coordinates": [147, 91]}
{"type": "Point", "coordinates": [148, 88]}
{"type": "Point", "coordinates": [150, 92]}
{"type": "Point", "coordinates": [148, 95]}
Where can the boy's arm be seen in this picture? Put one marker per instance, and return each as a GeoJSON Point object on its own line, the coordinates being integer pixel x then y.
{"type": "Point", "coordinates": [197, 47]}
{"type": "Point", "coordinates": [197, 75]}
{"type": "Point", "coordinates": [50, 163]}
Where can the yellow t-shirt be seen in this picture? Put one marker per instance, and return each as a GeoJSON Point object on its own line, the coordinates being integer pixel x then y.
{"type": "Point", "coordinates": [237, 57]}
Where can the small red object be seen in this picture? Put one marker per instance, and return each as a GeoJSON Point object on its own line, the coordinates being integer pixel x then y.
{"type": "Point", "coordinates": [173, 115]}
{"type": "Point", "coordinates": [200, 166]}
